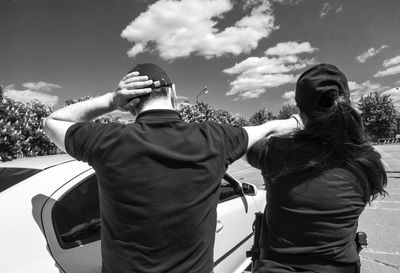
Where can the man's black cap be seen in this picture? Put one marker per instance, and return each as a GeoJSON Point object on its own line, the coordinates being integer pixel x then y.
{"type": "Point", "coordinates": [154, 72]}
{"type": "Point", "coordinates": [317, 80]}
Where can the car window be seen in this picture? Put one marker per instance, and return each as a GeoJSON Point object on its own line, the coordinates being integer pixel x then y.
{"type": "Point", "coordinates": [76, 215]}
{"type": "Point", "coordinates": [12, 176]}
{"type": "Point", "coordinates": [227, 191]}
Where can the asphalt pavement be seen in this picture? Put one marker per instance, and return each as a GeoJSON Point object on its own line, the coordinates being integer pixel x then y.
{"type": "Point", "coordinates": [380, 220]}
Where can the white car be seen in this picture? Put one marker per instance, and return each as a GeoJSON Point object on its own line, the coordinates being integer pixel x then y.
{"type": "Point", "coordinates": [49, 213]}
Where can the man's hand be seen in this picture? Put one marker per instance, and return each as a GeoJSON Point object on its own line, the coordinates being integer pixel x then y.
{"type": "Point", "coordinates": [124, 98]}
{"type": "Point", "coordinates": [130, 88]}
{"type": "Point", "coordinates": [288, 127]}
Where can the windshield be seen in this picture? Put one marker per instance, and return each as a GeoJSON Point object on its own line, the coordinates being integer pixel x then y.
{"type": "Point", "coordinates": [12, 176]}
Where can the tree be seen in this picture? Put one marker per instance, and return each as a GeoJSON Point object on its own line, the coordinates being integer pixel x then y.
{"type": "Point", "coordinates": [379, 115]}
{"type": "Point", "coordinates": [1, 92]}
{"type": "Point", "coordinates": [287, 110]}
{"type": "Point", "coordinates": [72, 101]}
{"type": "Point", "coordinates": [21, 132]}
{"type": "Point", "coordinates": [201, 111]}
{"type": "Point", "coordinates": [260, 117]}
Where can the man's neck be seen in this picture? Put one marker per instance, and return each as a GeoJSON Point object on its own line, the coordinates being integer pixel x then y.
{"type": "Point", "coordinates": [156, 105]}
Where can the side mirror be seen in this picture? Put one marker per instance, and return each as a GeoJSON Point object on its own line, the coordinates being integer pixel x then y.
{"type": "Point", "coordinates": [249, 189]}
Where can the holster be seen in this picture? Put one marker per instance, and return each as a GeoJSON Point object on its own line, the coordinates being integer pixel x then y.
{"type": "Point", "coordinates": [254, 252]}
{"type": "Point", "coordinates": [361, 241]}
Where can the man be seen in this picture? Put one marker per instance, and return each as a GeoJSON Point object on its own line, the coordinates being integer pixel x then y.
{"type": "Point", "coordinates": [159, 177]}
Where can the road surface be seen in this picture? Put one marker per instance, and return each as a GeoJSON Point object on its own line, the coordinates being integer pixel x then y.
{"type": "Point", "coordinates": [380, 220]}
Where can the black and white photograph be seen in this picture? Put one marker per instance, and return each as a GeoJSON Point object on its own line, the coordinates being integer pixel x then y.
{"type": "Point", "coordinates": [200, 136]}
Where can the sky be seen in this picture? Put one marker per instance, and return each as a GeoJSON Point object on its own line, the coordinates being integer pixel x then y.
{"type": "Point", "coordinates": [248, 53]}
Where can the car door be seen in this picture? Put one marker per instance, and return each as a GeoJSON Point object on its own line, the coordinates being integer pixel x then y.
{"type": "Point", "coordinates": [71, 221]}
{"type": "Point", "coordinates": [234, 228]}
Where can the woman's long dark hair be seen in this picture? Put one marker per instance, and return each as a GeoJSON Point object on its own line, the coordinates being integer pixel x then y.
{"type": "Point", "coordinates": [339, 129]}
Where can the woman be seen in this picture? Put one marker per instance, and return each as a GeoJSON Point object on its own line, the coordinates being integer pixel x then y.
{"type": "Point", "coordinates": [318, 181]}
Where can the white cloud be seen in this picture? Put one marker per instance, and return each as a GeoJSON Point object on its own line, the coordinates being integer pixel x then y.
{"type": "Point", "coordinates": [242, 85]}
{"type": "Point", "coordinates": [40, 86]}
{"type": "Point", "coordinates": [389, 71]}
{"type": "Point", "coordinates": [268, 65]}
{"type": "Point", "coordinates": [289, 95]}
{"type": "Point", "coordinates": [167, 28]}
{"type": "Point", "coordinates": [284, 2]}
{"type": "Point", "coordinates": [289, 98]}
{"type": "Point", "coordinates": [370, 53]}
{"type": "Point", "coordinates": [358, 90]}
{"type": "Point", "coordinates": [327, 8]}
{"type": "Point", "coordinates": [392, 61]}
{"type": "Point", "coordinates": [29, 95]}
{"type": "Point", "coordinates": [339, 9]}
{"type": "Point", "coordinates": [290, 48]}
{"type": "Point", "coordinates": [250, 94]}
{"type": "Point", "coordinates": [255, 75]}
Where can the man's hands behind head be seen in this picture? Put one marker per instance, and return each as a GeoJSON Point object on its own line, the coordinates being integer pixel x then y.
{"type": "Point", "coordinates": [130, 88]}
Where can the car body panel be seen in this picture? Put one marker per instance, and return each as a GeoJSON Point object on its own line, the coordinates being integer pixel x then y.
{"type": "Point", "coordinates": [21, 207]}
{"type": "Point", "coordinates": [238, 236]}
{"type": "Point", "coordinates": [83, 259]}
{"type": "Point", "coordinates": [29, 242]}
{"type": "Point", "coordinates": [44, 162]}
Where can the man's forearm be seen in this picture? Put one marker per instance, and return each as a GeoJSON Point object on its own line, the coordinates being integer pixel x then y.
{"type": "Point", "coordinates": [85, 110]}
{"type": "Point", "coordinates": [274, 127]}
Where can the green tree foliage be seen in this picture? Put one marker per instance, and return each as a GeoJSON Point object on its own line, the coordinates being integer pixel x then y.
{"type": "Point", "coordinates": [21, 132]}
{"type": "Point", "coordinates": [260, 117]}
{"type": "Point", "coordinates": [379, 115]}
{"type": "Point", "coordinates": [1, 92]}
{"type": "Point", "coordinates": [287, 110]}
{"type": "Point", "coordinates": [201, 111]}
{"type": "Point", "coordinates": [72, 101]}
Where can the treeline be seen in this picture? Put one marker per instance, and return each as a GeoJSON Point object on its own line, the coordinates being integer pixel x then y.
{"type": "Point", "coordinates": [21, 132]}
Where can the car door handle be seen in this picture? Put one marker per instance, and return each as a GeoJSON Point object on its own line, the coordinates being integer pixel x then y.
{"type": "Point", "coordinates": [220, 226]}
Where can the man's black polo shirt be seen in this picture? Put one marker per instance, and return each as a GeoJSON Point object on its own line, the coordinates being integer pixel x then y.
{"type": "Point", "coordinates": [159, 187]}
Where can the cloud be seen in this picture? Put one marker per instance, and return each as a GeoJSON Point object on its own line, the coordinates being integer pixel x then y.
{"type": "Point", "coordinates": [358, 90]}
{"type": "Point", "coordinates": [284, 2]}
{"type": "Point", "coordinates": [29, 95]}
{"type": "Point", "coordinates": [166, 28]}
{"type": "Point", "coordinates": [255, 75]}
{"type": "Point", "coordinates": [328, 8]}
{"type": "Point", "coordinates": [389, 71]}
{"type": "Point", "coordinates": [290, 48]}
{"type": "Point", "coordinates": [392, 61]}
{"type": "Point", "coordinates": [392, 67]}
{"type": "Point", "coordinates": [289, 96]}
{"type": "Point", "coordinates": [41, 86]}
{"type": "Point", "coordinates": [370, 53]}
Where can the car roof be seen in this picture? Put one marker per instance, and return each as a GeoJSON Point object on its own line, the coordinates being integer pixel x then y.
{"type": "Point", "coordinates": [39, 162]}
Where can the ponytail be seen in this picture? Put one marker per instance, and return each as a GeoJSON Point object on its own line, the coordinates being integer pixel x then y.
{"type": "Point", "coordinates": [338, 128]}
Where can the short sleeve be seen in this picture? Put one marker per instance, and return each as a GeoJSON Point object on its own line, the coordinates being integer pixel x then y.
{"type": "Point", "coordinates": [83, 140]}
{"type": "Point", "coordinates": [234, 141]}
{"type": "Point", "coordinates": [257, 154]}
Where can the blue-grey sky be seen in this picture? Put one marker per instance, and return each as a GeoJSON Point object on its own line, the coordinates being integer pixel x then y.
{"type": "Point", "coordinates": [248, 53]}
